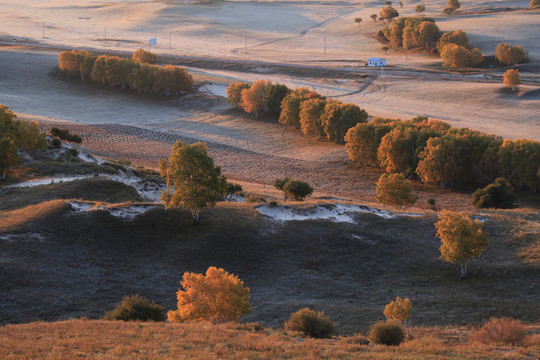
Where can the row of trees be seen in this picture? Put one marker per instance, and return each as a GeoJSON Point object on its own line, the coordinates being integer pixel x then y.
{"type": "Point", "coordinates": [302, 108]}
{"type": "Point", "coordinates": [113, 71]}
{"type": "Point", "coordinates": [16, 135]}
{"type": "Point", "coordinates": [438, 154]}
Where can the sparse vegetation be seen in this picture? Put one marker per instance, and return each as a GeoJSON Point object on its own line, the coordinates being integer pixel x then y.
{"type": "Point", "coordinates": [312, 323]}
{"type": "Point", "coordinates": [216, 296]}
{"type": "Point", "coordinates": [136, 308]}
{"type": "Point", "coordinates": [386, 333]}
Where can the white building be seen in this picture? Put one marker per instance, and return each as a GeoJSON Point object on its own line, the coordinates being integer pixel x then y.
{"type": "Point", "coordinates": [376, 62]}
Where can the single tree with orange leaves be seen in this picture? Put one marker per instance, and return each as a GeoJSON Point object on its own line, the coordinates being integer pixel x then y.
{"type": "Point", "coordinates": [400, 310]}
{"type": "Point", "coordinates": [216, 296]}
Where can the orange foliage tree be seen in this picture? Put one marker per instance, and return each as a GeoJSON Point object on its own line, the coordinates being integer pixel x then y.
{"type": "Point", "coordinates": [399, 310]}
{"type": "Point", "coordinates": [216, 296]}
{"type": "Point", "coordinates": [255, 99]}
{"type": "Point", "coordinates": [512, 78]}
{"type": "Point", "coordinates": [142, 56]}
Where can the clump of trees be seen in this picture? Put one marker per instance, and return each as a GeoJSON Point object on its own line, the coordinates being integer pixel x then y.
{"type": "Point", "coordinates": [412, 33]}
{"type": "Point", "coordinates": [499, 194]}
{"type": "Point", "coordinates": [292, 188]}
{"type": "Point", "coordinates": [509, 55]}
{"type": "Point", "coordinates": [394, 189]}
{"type": "Point", "coordinates": [136, 308]}
{"type": "Point", "coordinates": [534, 4]}
{"type": "Point", "coordinates": [64, 134]}
{"type": "Point", "coordinates": [216, 297]}
{"type": "Point", "coordinates": [193, 181]}
{"type": "Point", "coordinates": [312, 323]}
{"type": "Point", "coordinates": [438, 154]}
{"type": "Point", "coordinates": [302, 108]}
{"type": "Point", "coordinates": [142, 56]}
{"type": "Point", "coordinates": [16, 135]}
{"type": "Point", "coordinates": [511, 78]}
{"type": "Point", "coordinates": [113, 71]}
{"type": "Point", "coordinates": [459, 57]}
{"type": "Point", "coordinates": [462, 239]}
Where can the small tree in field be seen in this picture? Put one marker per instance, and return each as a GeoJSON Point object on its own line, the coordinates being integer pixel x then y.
{"type": "Point", "coordinates": [194, 181]}
{"type": "Point", "coordinates": [394, 189]}
{"type": "Point", "coordinates": [420, 8]}
{"type": "Point", "coordinates": [142, 56]}
{"type": "Point", "coordinates": [462, 239]}
{"type": "Point", "coordinates": [358, 21]}
{"type": "Point", "coordinates": [373, 16]}
{"type": "Point", "coordinates": [216, 296]}
{"type": "Point", "coordinates": [453, 4]}
{"type": "Point", "coordinates": [296, 189]}
{"type": "Point", "coordinates": [400, 310]}
{"type": "Point", "coordinates": [512, 78]}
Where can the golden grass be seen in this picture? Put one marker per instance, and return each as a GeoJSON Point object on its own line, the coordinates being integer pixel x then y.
{"type": "Point", "coordinates": [76, 339]}
{"type": "Point", "coordinates": [11, 220]}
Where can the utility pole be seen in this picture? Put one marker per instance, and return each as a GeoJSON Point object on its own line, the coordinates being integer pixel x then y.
{"type": "Point", "coordinates": [325, 46]}
{"type": "Point", "coordinates": [170, 47]}
{"type": "Point", "coordinates": [246, 45]}
{"type": "Point", "coordinates": [105, 34]}
{"type": "Point", "coordinates": [43, 31]}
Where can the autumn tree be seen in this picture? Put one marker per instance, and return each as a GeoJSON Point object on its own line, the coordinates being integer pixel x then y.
{"type": "Point", "coordinates": [310, 117]}
{"type": "Point", "coordinates": [193, 181]}
{"type": "Point", "coordinates": [70, 63]}
{"type": "Point", "coordinates": [290, 106]}
{"type": "Point", "coordinates": [142, 56]}
{"type": "Point", "coordinates": [457, 37]}
{"type": "Point", "coordinates": [534, 4]}
{"type": "Point", "coordinates": [394, 189]}
{"type": "Point", "coordinates": [459, 57]}
{"type": "Point", "coordinates": [234, 93]}
{"type": "Point", "coordinates": [512, 78]}
{"type": "Point", "coordinates": [337, 118]}
{"type": "Point", "coordinates": [275, 97]}
{"type": "Point", "coordinates": [453, 5]}
{"type": "Point", "coordinates": [292, 188]}
{"type": "Point", "coordinates": [216, 297]}
{"type": "Point", "coordinates": [388, 13]}
{"type": "Point", "coordinates": [399, 311]}
{"type": "Point", "coordinates": [509, 55]}
{"type": "Point", "coordinates": [362, 141]}
{"type": "Point", "coordinates": [420, 8]}
{"type": "Point", "coordinates": [520, 162]}
{"type": "Point", "coordinates": [462, 239]}
{"type": "Point", "coordinates": [255, 99]}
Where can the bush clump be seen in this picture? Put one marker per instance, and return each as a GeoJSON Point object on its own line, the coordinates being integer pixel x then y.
{"type": "Point", "coordinates": [65, 135]}
{"type": "Point", "coordinates": [312, 323]}
{"type": "Point", "coordinates": [500, 195]}
{"type": "Point", "coordinates": [136, 308]}
{"type": "Point", "coordinates": [503, 331]}
{"type": "Point", "coordinates": [386, 333]}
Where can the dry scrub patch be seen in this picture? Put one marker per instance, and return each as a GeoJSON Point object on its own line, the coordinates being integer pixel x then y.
{"type": "Point", "coordinates": [102, 339]}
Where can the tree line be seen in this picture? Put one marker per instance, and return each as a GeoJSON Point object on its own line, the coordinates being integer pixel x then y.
{"type": "Point", "coordinates": [422, 33]}
{"type": "Point", "coordinates": [441, 155]}
{"type": "Point", "coordinates": [312, 113]}
{"type": "Point", "coordinates": [136, 73]}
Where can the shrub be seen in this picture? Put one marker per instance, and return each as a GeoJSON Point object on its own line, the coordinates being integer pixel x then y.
{"type": "Point", "coordinates": [296, 189]}
{"type": "Point", "coordinates": [136, 308]}
{"type": "Point", "coordinates": [142, 56]}
{"type": "Point", "coordinates": [386, 333]}
{"type": "Point", "coordinates": [497, 195]}
{"type": "Point", "coordinates": [312, 323]}
{"type": "Point", "coordinates": [56, 143]}
{"type": "Point", "coordinates": [70, 153]}
{"type": "Point", "coordinates": [65, 135]}
{"type": "Point", "coordinates": [503, 331]}
{"type": "Point", "coordinates": [420, 8]}
{"type": "Point", "coordinates": [233, 188]}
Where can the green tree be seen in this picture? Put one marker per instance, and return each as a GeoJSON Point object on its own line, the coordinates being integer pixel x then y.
{"type": "Point", "coordinates": [275, 96]}
{"type": "Point", "coordinates": [520, 162]}
{"type": "Point", "coordinates": [511, 78]}
{"type": "Point", "coordinates": [509, 55]}
{"type": "Point", "coordinates": [462, 239]}
{"type": "Point", "coordinates": [234, 93]}
{"type": "Point", "coordinates": [497, 195]}
{"type": "Point", "coordinates": [194, 182]}
{"type": "Point", "coordinates": [337, 118]}
{"type": "Point", "coordinates": [293, 188]}
{"type": "Point", "coordinates": [394, 189]}
{"type": "Point", "coordinates": [142, 56]}
{"type": "Point", "coordinates": [216, 296]}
